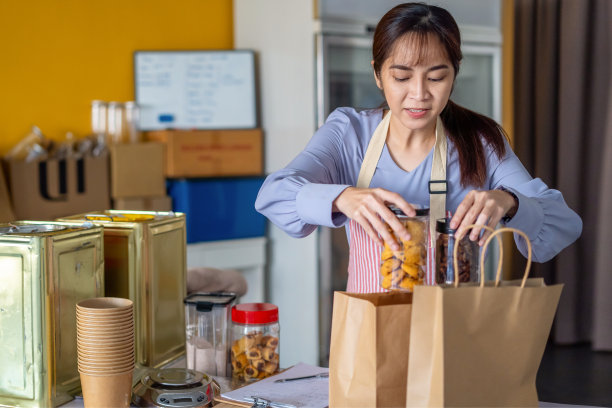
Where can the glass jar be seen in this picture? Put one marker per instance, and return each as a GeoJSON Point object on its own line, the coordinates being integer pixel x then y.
{"type": "Point", "coordinates": [116, 122]}
{"type": "Point", "coordinates": [255, 341]}
{"type": "Point", "coordinates": [405, 268]}
{"type": "Point", "coordinates": [98, 118]}
{"type": "Point", "coordinates": [467, 255]}
{"type": "Point", "coordinates": [132, 117]}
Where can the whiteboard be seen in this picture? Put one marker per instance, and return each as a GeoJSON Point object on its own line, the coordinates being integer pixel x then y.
{"type": "Point", "coordinates": [195, 89]}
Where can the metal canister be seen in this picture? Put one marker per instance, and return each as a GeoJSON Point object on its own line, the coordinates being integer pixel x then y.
{"type": "Point", "coordinates": [46, 268]}
{"type": "Point", "coordinates": [145, 261]}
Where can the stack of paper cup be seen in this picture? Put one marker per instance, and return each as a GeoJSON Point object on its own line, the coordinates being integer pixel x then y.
{"type": "Point", "coordinates": [105, 346]}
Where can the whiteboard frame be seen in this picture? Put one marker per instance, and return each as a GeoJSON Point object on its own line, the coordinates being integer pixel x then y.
{"type": "Point", "coordinates": [253, 87]}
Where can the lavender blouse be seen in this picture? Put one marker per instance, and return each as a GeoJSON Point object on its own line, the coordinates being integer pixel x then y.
{"type": "Point", "coordinates": [299, 197]}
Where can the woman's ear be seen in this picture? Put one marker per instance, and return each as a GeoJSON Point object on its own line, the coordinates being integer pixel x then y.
{"type": "Point", "coordinates": [376, 78]}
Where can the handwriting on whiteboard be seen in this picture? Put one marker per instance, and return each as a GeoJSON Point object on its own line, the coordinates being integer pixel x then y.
{"type": "Point", "coordinates": [195, 89]}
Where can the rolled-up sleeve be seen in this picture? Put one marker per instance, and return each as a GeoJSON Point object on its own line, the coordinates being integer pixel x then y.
{"type": "Point", "coordinates": [300, 197]}
{"type": "Point", "coordinates": [542, 213]}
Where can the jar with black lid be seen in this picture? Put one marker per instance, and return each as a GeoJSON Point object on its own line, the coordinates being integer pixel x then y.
{"type": "Point", "coordinates": [403, 269]}
{"type": "Point", "coordinates": [467, 255]}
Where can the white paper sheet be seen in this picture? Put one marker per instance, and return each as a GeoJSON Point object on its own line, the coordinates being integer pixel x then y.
{"type": "Point", "coordinates": [310, 393]}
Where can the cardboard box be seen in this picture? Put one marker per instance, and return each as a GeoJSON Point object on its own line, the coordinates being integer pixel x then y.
{"type": "Point", "coordinates": [48, 189]}
{"type": "Point", "coordinates": [211, 153]}
{"type": "Point", "coordinates": [137, 170]}
{"type": "Point", "coordinates": [163, 203]}
{"type": "Point", "coordinates": [6, 209]}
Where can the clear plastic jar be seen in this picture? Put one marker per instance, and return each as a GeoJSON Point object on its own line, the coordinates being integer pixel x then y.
{"type": "Point", "coordinates": [467, 255]}
{"type": "Point", "coordinates": [207, 332]}
{"type": "Point", "coordinates": [132, 117]}
{"type": "Point", "coordinates": [116, 123]}
{"type": "Point", "coordinates": [98, 118]}
{"type": "Point", "coordinates": [255, 341]}
{"type": "Point", "coordinates": [405, 268]}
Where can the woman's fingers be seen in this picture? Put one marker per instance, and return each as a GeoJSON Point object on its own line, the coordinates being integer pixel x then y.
{"type": "Point", "coordinates": [368, 207]}
{"type": "Point", "coordinates": [384, 221]}
{"type": "Point", "coordinates": [482, 208]}
{"type": "Point", "coordinates": [491, 224]}
{"type": "Point", "coordinates": [397, 200]}
{"type": "Point", "coordinates": [483, 219]}
{"type": "Point", "coordinates": [365, 224]}
{"type": "Point", "coordinates": [376, 228]}
{"type": "Point", "coordinates": [467, 214]}
{"type": "Point", "coordinates": [390, 218]}
{"type": "Point", "coordinates": [462, 209]}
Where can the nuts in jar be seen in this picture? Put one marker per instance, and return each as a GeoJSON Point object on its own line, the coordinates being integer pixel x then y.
{"type": "Point", "coordinates": [467, 255]}
{"type": "Point", "coordinates": [403, 269]}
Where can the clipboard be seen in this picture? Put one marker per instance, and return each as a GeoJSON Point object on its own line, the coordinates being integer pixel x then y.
{"type": "Point", "coordinates": [266, 393]}
{"type": "Point", "coordinates": [223, 402]}
{"type": "Point", "coordinates": [256, 403]}
{"type": "Point", "coordinates": [228, 402]}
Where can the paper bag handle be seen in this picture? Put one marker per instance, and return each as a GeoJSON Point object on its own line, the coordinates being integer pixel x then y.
{"type": "Point", "coordinates": [498, 232]}
{"type": "Point", "coordinates": [499, 263]}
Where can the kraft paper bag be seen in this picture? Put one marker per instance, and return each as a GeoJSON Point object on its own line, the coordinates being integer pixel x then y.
{"type": "Point", "coordinates": [479, 344]}
{"type": "Point", "coordinates": [369, 349]}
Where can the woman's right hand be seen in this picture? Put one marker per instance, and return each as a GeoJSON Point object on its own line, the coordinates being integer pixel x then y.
{"type": "Point", "coordinates": [368, 207]}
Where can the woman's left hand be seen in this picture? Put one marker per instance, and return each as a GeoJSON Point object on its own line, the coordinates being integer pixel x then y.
{"type": "Point", "coordinates": [481, 208]}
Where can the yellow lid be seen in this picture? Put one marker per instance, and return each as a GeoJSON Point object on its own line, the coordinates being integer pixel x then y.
{"type": "Point", "coordinates": [120, 217]}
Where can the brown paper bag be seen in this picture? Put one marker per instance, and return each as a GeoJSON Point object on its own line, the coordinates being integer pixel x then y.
{"type": "Point", "coordinates": [479, 345]}
{"type": "Point", "coordinates": [369, 349]}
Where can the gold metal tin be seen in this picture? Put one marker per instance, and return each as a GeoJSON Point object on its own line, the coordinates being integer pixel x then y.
{"type": "Point", "coordinates": [145, 261]}
{"type": "Point", "coordinates": [46, 268]}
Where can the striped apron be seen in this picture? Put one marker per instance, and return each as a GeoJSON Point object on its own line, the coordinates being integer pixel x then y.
{"type": "Point", "coordinates": [364, 254]}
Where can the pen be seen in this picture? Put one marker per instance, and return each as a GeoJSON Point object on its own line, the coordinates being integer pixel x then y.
{"type": "Point", "coordinates": [320, 375]}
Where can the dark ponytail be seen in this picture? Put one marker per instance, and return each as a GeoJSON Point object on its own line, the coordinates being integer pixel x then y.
{"type": "Point", "coordinates": [467, 129]}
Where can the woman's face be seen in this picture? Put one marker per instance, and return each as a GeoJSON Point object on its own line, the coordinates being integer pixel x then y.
{"type": "Point", "coordinates": [417, 83]}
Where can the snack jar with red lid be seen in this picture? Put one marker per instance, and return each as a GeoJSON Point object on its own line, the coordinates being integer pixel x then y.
{"type": "Point", "coordinates": [255, 341]}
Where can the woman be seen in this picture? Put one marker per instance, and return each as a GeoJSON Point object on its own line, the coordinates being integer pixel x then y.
{"type": "Point", "coordinates": [424, 150]}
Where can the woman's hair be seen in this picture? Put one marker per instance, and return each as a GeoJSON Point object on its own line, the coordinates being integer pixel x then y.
{"type": "Point", "coordinates": [465, 127]}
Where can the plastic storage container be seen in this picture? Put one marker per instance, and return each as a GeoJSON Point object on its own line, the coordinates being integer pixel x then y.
{"type": "Point", "coordinates": [255, 341]}
{"type": "Point", "coordinates": [467, 255]}
{"type": "Point", "coordinates": [207, 317]}
{"type": "Point", "coordinates": [405, 268]}
{"type": "Point", "coordinates": [116, 122]}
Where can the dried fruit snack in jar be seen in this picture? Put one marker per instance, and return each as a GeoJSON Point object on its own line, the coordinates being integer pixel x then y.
{"type": "Point", "coordinates": [254, 356]}
{"type": "Point", "coordinates": [403, 269]}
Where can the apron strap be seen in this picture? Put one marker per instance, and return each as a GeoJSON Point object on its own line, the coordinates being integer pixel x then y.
{"type": "Point", "coordinates": [373, 152]}
{"type": "Point", "coordinates": [437, 179]}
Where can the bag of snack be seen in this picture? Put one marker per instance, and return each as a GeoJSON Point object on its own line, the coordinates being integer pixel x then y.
{"type": "Point", "coordinates": [369, 349]}
{"type": "Point", "coordinates": [476, 344]}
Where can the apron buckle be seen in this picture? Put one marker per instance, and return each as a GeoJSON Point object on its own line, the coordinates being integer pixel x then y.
{"type": "Point", "coordinates": [437, 187]}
